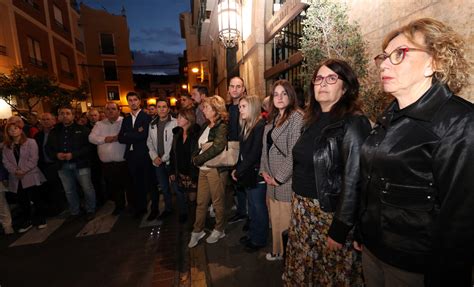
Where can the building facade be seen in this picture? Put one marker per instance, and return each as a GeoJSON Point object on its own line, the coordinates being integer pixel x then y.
{"type": "Point", "coordinates": [109, 59]}
{"type": "Point", "coordinates": [269, 45]}
{"type": "Point", "coordinates": [75, 44]}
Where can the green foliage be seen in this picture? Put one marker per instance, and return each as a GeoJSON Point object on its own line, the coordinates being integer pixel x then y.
{"type": "Point", "coordinates": [30, 89]}
{"type": "Point", "coordinates": [327, 33]}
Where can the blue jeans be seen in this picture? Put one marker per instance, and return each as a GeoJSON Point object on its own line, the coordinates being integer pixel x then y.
{"type": "Point", "coordinates": [68, 174]}
{"type": "Point", "coordinates": [162, 177]}
{"type": "Point", "coordinates": [241, 195]}
{"type": "Point", "coordinates": [258, 212]}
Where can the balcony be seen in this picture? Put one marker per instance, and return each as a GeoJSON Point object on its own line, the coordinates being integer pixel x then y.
{"type": "Point", "coordinates": [33, 4]}
{"type": "Point", "coordinates": [79, 45]}
{"type": "Point", "coordinates": [3, 50]}
{"type": "Point", "coordinates": [61, 26]}
{"type": "Point", "coordinates": [67, 74]}
{"type": "Point", "coordinates": [107, 50]}
{"type": "Point", "coordinates": [38, 63]}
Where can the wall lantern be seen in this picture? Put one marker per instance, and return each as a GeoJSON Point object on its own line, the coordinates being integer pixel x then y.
{"type": "Point", "coordinates": [184, 86]}
{"type": "Point", "coordinates": [195, 70]}
{"type": "Point", "coordinates": [229, 17]}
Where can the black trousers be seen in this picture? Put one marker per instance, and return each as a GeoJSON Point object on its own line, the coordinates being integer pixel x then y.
{"type": "Point", "coordinates": [29, 195]}
{"type": "Point", "coordinates": [52, 191]}
{"type": "Point", "coordinates": [117, 182]}
{"type": "Point", "coordinates": [140, 168]}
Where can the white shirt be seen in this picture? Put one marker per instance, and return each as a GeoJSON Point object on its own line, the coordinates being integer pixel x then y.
{"type": "Point", "coordinates": [204, 138]}
{"type": "Point", "coordinates": [134, 118]}
{"type": "Point", "coordinates": [108, 152]}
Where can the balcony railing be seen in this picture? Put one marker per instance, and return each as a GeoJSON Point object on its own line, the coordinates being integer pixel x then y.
{"type": "Point", "coordinates": [32, 4]}
{"type": "Point", "coordinates": [107, 50]}
{"type": "Point", "coordinates": [79, 45]}
{"type": "Point", "coordinates": [61, 25]}
{"type": "Point", "coordinates": [67, 74]}
{"type": "Point", "coordinates": [38, 63]}
{"type": "Point", "coordinates": [3, 50]}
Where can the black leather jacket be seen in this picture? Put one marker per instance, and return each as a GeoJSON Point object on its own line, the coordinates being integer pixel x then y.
{"type": "Point", "coordinates": [336, 170]}
{"type": "Point", "coordinates": [417, 167]}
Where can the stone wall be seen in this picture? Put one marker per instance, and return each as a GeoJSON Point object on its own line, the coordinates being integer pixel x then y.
{"type": "Point", "coordinates": [378, 17]}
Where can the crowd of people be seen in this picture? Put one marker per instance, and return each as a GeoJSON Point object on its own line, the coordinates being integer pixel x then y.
{"type": "Point", "coordinates": [349, 202]}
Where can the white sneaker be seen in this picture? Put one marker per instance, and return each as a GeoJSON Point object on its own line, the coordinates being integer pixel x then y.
{"type": "Point", "coordinates": [273, 257]}
{"type": "Point", "coordinates": [215, 236]}
{"type": "Point", "coordinates": [195, 237]}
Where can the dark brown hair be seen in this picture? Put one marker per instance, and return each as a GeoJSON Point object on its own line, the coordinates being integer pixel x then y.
{"type": "Point", "coordinates": [347, 104]}
{"type": "Point", "coordinates": [274, 112]}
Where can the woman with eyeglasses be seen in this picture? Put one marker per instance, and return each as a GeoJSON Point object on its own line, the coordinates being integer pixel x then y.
{"type": "Point", "coordinates": [326, 182]}
{"type": "Point", "coordinates": [417, 165]}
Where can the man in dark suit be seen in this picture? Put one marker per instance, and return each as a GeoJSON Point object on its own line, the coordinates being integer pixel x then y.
{"type": "Point", "coordinates": [53, 190]}
{"type": "Point", "coordinates": [134, 133]}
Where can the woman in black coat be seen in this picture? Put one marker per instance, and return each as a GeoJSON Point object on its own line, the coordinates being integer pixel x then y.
{"type": "Point", "coordinates": [246, 173]}
{"type": "Point", "coordinates": [417, 165]}
{"type": "Point", "coordinates": [184, 174]}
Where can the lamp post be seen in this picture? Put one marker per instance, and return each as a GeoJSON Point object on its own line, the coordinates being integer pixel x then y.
{"type": "Point", "coordinates": [229, 17]}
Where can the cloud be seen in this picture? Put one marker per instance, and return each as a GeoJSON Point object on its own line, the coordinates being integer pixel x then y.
{"type": "Point", "coordinates": [163, 36]}
{"type": "Point", "coordinates": [156, 62]}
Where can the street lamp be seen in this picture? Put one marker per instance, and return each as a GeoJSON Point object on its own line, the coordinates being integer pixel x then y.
{"type": "Point", "coordinates": [228, 14]}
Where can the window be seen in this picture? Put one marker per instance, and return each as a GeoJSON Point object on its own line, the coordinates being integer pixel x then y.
{"type": "Point", "coordinates": [113, 93]}
{"type": "Point", "coordinates": [64, 63]}
{"type": "Point", "coordinates": [107, 44]}
{"type": "Point", "coordinates": [34, 52]}
{"type": "Point", "coordinates": [65, 68]}
{"type": "Point", "coordinates": [32, 3]}
{"type": "Point", "coordinates": [110, 71]}
{"type": "Point", "coordinates": [58, 15]}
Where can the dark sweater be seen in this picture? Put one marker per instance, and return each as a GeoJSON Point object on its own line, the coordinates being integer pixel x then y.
{"type": "Point", "coordinates": [303, 167]}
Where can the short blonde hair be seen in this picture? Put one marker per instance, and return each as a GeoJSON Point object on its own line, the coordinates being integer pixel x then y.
{"type": "Point", "coordinates": [445, 46]}
{"type": "Point", "coordinates": [217, 104]}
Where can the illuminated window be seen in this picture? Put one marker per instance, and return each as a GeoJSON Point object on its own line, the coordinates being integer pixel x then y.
{"type": "Point", "coordinates": [113, 93]}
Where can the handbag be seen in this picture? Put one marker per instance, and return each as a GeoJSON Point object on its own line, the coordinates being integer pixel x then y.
{"type": "Point", "coordinates": [227, 158]}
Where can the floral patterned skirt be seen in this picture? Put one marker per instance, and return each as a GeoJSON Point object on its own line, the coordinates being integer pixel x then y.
{"type": "Point", "coordinates": [308, 261]}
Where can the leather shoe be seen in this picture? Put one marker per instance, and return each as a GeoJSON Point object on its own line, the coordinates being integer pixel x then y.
{"type": "Point", "coordinates": [164, 214]}
{"type": "Point", "coordinates": [244, 240]}
{"type": "Point", "coordinates": [117, 211]}
{"type": "Point", "coordinates": [246, 226]}
{"type": "Point", "coordinates": [152, 216]}
{"type": "Point", "coordinates": [250, 247]}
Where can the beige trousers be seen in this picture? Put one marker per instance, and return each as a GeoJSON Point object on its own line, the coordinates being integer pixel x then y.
{"type": "Point", "coordinates": [211, 186]}
{"type": "Point", "coordinates": [280, 215]}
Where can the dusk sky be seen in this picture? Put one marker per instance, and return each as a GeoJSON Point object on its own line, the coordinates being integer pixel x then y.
{"type": "Point", "coordinates": [155, 37]}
